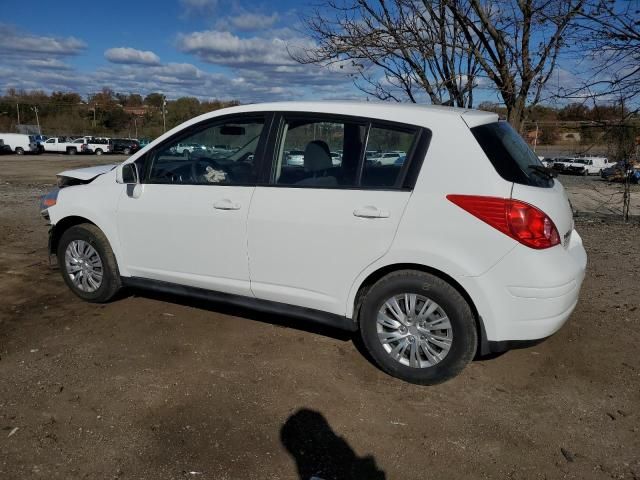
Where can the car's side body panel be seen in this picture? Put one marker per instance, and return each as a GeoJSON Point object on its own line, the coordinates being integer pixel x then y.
{"type": "Point", "coordinates": [306, 246]}
{"type": "Point", "coordinates": [436, 233]}
{"type": "Point", "coordinates": [97, 202]}
{"type": "Point", "coordinates": [174, 233]}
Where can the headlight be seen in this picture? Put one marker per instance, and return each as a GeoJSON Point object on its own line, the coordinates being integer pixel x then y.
{"type": "Point", "coordinates": [49, 200]}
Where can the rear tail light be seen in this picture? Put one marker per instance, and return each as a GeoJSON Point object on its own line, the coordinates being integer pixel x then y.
{"type": "Point", "coordinates": [519, 220]}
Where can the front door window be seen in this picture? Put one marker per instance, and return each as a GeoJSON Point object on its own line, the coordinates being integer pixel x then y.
{"type": "Point", "coordinates": [219, 154]}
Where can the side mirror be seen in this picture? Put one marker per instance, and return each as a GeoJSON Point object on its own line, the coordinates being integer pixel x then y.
{"type": "Point", "coordinates": [128, 174]}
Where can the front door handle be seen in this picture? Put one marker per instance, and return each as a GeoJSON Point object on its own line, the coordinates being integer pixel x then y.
{"type": "Point", "coordinates": [226, 204]}
{"type": "Point", "coordinates": [369, 211]}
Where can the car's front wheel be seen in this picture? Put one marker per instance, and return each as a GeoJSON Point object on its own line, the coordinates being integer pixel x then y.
{"type": "Point", "coordinates": [126, 151]}
{"type": "Point", "coordinates": [98, 151]}
{"type": "Point", "coordinates": [87, 263]}
{"type": "Point", "coordinates": [418, 327]}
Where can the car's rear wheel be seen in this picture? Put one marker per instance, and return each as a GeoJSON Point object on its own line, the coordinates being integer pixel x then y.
{"type": "Point", "coordinates": [126, 151]}
{"type": "Point", "coordinates": [72, 151]}
{"type": "Point", "coordinates": [19, 151]}
{"type": "Point", "coordinates": [98, 151]}
{"type": "Point", "coordinates": [418, 327]}
{"type": "Point", "coordinates": [87, 263]}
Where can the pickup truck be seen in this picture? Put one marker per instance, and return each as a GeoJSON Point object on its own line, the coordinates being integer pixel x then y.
{"type": "Point", "coordinates": [79, 145]}
{"type": "Point", "coordinates": [98, 145]}
{"type": "Point", "coordinates": [64, 145]}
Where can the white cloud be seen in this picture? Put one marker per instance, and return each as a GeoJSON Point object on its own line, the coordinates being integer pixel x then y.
{"type": "Point", "coordinates": [251, 69]}
{"type": "Point", "coordinates": [253, 21]}
{"type": "Point", "coordinates": [48, 63]}
{"type": "Point", "coordinates": [225, 48]}
{"type": "Point", "coordinates": [13, 42]}
{"type": "Point", "coordinates": [131, 56]}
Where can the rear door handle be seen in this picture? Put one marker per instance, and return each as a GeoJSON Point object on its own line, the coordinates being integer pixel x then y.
{"type": "Point", "coordinates": [369, 211]}
{"type": "Point", "coordinates": [226, 204]}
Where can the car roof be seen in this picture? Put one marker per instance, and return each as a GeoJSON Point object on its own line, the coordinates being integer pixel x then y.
{"type": "Point", "coordinates": [380, 110]}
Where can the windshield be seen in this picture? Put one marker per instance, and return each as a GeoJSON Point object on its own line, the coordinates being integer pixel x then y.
{"type": "Point", "coordinates": [510, 155]}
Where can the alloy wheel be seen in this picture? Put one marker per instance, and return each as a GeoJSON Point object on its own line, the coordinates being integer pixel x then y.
{"type": "Point", "coordinates": [84, 266]}
{"type": "Point", "coordinates": [414, 330]}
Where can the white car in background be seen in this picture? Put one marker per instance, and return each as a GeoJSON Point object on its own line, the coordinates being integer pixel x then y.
{"type": "Point", "coordinates": [467, 246]}
{"type": "Point", "coordinates": [294, 157]}
{"type": "Point", "coordinates": [64, 145]}
{"type": "Point", "coordinates": [187, 149]}
{"type": "Point", "coordinates": [20, 143]}
{"type": "Point", "coordinates": [592, 165]}
{"type": "Point", "coordinates": [390, 158]}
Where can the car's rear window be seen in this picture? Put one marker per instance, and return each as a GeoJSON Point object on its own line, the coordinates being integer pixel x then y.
{"type": "Point", "coordinates": [510, 155]}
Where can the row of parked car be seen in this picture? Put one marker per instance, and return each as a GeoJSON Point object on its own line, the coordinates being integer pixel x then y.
{"type": "Point", "coordinates": [594, 165]}
{"type": "Point", "coordinates": [395, 157]}
{"type": "Point", "coordinates": [21, 143]}
{"type": "Point", "coordinates": [580, 165]}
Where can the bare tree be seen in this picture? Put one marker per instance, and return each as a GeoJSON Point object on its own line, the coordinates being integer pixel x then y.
{"type": "Point", "coordinates": [441, 48]}
{"type": "Point", "coordinates": [523, 40]}
{"type": "Point", "coordinates": [609, 33]}
{"type": "Point", "coordinates": [397, 49]}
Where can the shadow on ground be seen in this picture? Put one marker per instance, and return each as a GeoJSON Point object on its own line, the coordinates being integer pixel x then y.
{"type": "Point", "coordinates": [321, 454]}
{"type": "Point", "coordinates": [232, 310]}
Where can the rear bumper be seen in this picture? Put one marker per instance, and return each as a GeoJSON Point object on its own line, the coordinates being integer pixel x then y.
{"type": "Point", "coordinates": [529, 294]}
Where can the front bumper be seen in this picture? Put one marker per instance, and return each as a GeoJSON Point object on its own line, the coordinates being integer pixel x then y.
{"type": "Point", "coordinates": [529, 294]}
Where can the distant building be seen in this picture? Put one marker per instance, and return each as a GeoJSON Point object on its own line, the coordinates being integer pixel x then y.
{"type": "Point", "coordinates": [570, 136]}
{"type": "Point", "coordinates": [139, 111]}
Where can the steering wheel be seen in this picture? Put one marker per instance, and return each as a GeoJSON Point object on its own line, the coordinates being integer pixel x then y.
{"type": "Point", "coordinates": [199, 168]}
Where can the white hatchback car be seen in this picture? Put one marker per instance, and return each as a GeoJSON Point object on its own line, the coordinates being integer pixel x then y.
{"type": "Point", "coordinates": [466, 246]}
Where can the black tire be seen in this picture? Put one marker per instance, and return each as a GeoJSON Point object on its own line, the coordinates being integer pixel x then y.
{"type": "Point", "coordinates": [126, 151]}
{"type": "Point", "coordinates": [111, 281]}
{"type": "Point", "coordinates": [463, 325]}
{"type": "Point", "coordinates": [72, 151]}
{"type": "Point", "coordinates": [19, 151]}
{"type": "Point", "coordinates": [98, 151]}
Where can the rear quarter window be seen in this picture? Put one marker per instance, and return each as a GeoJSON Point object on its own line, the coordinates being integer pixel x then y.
{"type": "Point", "coordinates": [510, 155]}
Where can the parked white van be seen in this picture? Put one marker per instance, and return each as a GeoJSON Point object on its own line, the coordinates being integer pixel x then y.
{"type": "Point", "coordinates": [468, 245]}
{"type": "Point", "coordinates": [20, 143]}
{"type": "Point", "coordinates": [593, 165]}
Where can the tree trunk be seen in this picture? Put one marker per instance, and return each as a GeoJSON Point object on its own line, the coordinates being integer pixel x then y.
{"type": "Point", "coordinates": [516, 114]}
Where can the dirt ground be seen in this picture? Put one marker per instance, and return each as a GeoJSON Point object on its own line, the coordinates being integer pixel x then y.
{"type": "Point", "coordinates": [153, 387]}
{"type": "Point", "coordinates": [591, 196]}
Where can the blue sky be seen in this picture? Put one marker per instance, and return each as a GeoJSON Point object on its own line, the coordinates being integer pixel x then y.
{"type": "Point", "coordinates": [211, 49]}
{"type": "Point", "coordinates": [205, 48]}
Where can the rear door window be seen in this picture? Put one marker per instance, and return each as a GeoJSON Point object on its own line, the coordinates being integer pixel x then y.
{"type": "Point", "coordinates": [320, 151]}
{"type": "Point", "coordinates": [387, 149]}
{"type": "Point", "coordinates": [510, 155]}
